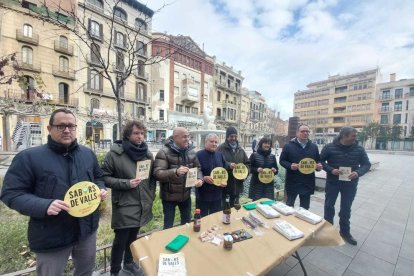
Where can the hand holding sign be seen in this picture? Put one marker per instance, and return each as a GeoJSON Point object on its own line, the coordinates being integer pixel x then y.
{"type": "Point", "coordinates": [219, 176]}
{"type": "Point", "coordinates": [82, 198]}
{"type": "Point", "coordinates": [240, 171]}
{"type": "Point", "coordinates": [307, 165]}
{"type": "Point", "coordinates": [266, 176]}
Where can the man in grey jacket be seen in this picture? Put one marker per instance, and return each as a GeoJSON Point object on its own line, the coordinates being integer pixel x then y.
{"type": "Point", "coordinates": [344, 162]}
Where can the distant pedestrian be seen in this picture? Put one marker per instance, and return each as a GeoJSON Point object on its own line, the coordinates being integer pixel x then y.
{"type": "Point", "coordinates": [132, 197]}
{"type": "Point", "coordinates": [262, 159]}
{"type": "Point", "coordinates": [298, 183]}
{"type": "Point", "coordinates": [254, 144]}
{"type": "Point", "coordinates": [342, 156]}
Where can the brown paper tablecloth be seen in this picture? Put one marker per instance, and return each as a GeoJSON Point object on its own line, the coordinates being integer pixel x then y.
{"type": "Point", "coordinates": [256, 256]}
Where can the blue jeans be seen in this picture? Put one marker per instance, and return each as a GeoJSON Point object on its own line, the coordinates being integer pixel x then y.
{"type": "Point", "coordinates": [168, 208]}
{"type": "Point", "coordinates": [348, 191]}
{"type": "Point", "coordinates": [304, 200]}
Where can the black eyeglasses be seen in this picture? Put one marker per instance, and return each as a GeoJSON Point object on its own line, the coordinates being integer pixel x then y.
{"type": "Point", "coordinates": [63, 127]}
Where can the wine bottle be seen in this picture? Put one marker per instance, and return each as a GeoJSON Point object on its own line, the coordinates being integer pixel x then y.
{"type": "Point", "coordinates": [227, 211]}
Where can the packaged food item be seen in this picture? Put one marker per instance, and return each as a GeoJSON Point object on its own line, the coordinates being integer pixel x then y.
{"type": "Point", "coordinates": [307, 216]}
{"type": "Point", "coordinates": [288, 230]}
{"type": "Point", "coordinates": [255, 217]}
{"type": "Point", "coordinates": [228, 242]}
{"type": "Point", "coordinates": [267, 211]}
{"type": "Point", "coordinates": [283, 208]}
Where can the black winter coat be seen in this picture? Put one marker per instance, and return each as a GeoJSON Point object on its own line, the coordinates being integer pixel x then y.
{"type": "Point", "coordinates": [39, 175]}
{"type": "Point", "coordinates": [234, 186]}
{"type": "Point", "coordinates": [335, 154]}
{"type": "Point", "coordinates": [297, 182]}
{"type": "Point", "coordinates": [261, 159]}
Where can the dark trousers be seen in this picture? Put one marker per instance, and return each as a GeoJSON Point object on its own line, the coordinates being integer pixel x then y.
{"type": "Point", "coordinates": [120, 247]}
{"type": "Point", "coordinates": [348, 191]}
{"type": "Point", "coordinates": [168, 208]}
{"type": "Point", "coordinates": [209, 207]}
{"type": "Point", "coordinates": [304, 200]}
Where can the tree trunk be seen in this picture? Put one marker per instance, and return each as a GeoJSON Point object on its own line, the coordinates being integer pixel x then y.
{"type": "Point", "coordinates": [119, 111]}
{"type": "Point", "coordinates": [6, 132]}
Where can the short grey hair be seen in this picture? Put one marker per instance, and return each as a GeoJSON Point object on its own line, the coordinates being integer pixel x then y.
{"type": "Point", "coordinates": [345, 131]}
{"type": "Point", "coordinates": [210, 135]}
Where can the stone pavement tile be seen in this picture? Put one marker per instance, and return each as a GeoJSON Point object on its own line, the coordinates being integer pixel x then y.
{"type": "Point", "coordinates": [349, 272]}
{"type": "Point", "coordinates": [397, 215]}
{"type": "Point", "coordinates": [381, 250]}
{"type": "Point", "coordinates": [404, 267]}
{"type": "Point", "coordinates": [368, 265]}
{"type": "Point", "coordinates": [291, 261]}
{"type": "Point", "coordinates": [281, 269]}
{"type": "Point", "coordinates": [311, 270]}
{"type": "Point", "coordinates": [363, 222]}
{"type": "Point", "coordinates": [407, 247]}
{"type": "Point", "coordinates": [329, 260]}
{"type": "Point", "coordinates": [360, 234]}
{"type": "Point", "coordinates": [368, 213]}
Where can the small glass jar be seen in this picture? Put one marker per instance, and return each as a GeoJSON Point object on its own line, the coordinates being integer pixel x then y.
{"type": "Point", "coordinates": [228, 242]}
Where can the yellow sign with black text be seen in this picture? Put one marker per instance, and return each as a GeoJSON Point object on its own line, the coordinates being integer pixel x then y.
{"type": "Point", "coordinates": [266, 176]}
{"type": "Point", "coordinates": [240, 171]}
{"type": "Point", "coordinates": [83, 198]}
{"type": "Point", "coordinates": [307, 165]}
{"type": "Point", "coordinates": [220, 176]}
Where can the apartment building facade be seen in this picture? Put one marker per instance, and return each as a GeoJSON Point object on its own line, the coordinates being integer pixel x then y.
{"type": "Point", "coordinates": [181, 85]}
{"type": "Point", "coordinates": [395, 105]}
{"type": "Point", "coordinates": [328, 105]}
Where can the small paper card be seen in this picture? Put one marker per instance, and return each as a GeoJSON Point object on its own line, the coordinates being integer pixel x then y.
{"type": "Point", "coordinates": [191, 178]}
{"type": "Point", "coordinates": [345, 172]}
{"type": "Point", "coordinates": [143, 169]}
{"type": "Point", "coordinates": [172, 265]}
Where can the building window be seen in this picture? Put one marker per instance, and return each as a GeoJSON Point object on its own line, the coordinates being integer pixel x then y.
{"type": "Point", "coordinates": [194, 110]}
{"type": "Point", "coordinates": [140, 24]}
{"type": "Point", "coordinates": [96, 3]}
{"type": "Point", "coordinates": [141, 48]}
{"type": "Point", "coordinates": [63, 42]}
{"type": "Point", "coordinates": [398, 93]}
{"type": "Point", "coordinates": [140, 93]}
{"type": "Point", "coordinates": [95, 53]}
{"type": "Point", "coordinates": [95, 104]}
{"type": "Point", "coordinates": [30, 90]}
{"type": "Point", "coordinates": [187, 109]}
{"type": "Point", "coordinates": [27, 30]}
{"type": "Point", "coordinates": [63, 64]}
{"type": "Point", "coordinates": [120, 14]}
{"type": "Point", "coordinates": [141, 68]}
{"type": "Point", "coordinates": [63, 93]}
{"type": "Point", "coordinates": [95, 80]}
{"type": "Point", "coordinates": [27, 55]}
{"type": "Point", "coordinates": [218, 96]}
{"type": "Point", "coordinates": [120, 40]}
{"type": "Point", "coordinates": [176, 91]}
{"type": "Point", "coordinates": [162, 96]}
{"type": "Point", "coordinates": [384, 119]}
{"type": "Point", "coordinates": [411, 91]}
{"type": "Point", "coordinates": [120, 64]}
{"type": "Point", "coordinates": [398, 106]}
{"type": "Point", "coordinates": [161, 115]}
{"type": "Point", "coordinates": [396, 119]}
{"type": "Point", "coordinates": [176, 75]}
{"type": "Point", "coordinates": [386, 94]}
{"type": "Point", "coordinates": [179, 107]}
{"type": "Point", "coordinates": [95, 29]}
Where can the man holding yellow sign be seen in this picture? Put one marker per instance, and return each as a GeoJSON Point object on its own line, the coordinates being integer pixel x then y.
{"type": "Point", "coordinates": [300, 158]}
{"type": "Point", "coordinates": [35, 185]}
{"type": "Point", "coordinates": [263, 167]}
{"type": "Point", "coordinates": [209, 196]}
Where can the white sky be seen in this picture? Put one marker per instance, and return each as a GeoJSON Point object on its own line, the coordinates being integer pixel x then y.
{"type": "Point", "coordinates": [282, 45]}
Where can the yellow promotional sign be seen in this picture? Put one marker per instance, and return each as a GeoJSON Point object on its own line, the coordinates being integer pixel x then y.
{"type": "Point", "coordinates": [307, 165]}
{"type": "Point", "coordinates": [219, 176]}
{"type": "Point", "coordinates": [240, 172]}
{"type": "Point", "coordinates": [83, 198]}
{"type": "Point", "coordinates": [266, 176]}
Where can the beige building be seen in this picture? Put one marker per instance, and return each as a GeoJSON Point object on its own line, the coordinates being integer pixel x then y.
{"type": "Point", "coordinates": [46, 62]}
{"type": "Point", "coordinates": [227, 95]}
{"type": "Point", "coordinates": [395, 105]}
{"type": "Point", "coordinates": [181, 86]}
{"type": "Point", "coordinates": [328, 105]}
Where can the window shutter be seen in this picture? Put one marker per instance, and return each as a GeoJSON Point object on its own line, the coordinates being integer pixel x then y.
{"type": "Point", "coordinates": [100, 82]}
{"type": "Point", "coordinates": [101, 31]}
{"type": "Point", "coordinates": [89, 26]}
{"type": "Point", "coordinates": [89, 79]}
{"type": "Point", "coordinates": [125, 41]}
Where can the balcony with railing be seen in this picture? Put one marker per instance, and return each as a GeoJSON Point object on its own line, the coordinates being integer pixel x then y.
{"type": "Point", "coordinates": [385, 109]}
{"type": "Point", "coordinates": [384, 98]}
{"type": "Point", "coordinates": [94, 7]}
{"type": "Point", "coordinates": [68, 102]}
{"type": "Point", "coordinates": [64, 48]}
{"type": "Point", "coordinates": [28, 66]}
{"type": "Point", "coordinates": [190, 91]}
{"type": "Point", "coordinates": [229, 104]}
{"type": "Point", "coordinates": [66, 73]}
{"type": "Point", "coordinates": [30, 39]}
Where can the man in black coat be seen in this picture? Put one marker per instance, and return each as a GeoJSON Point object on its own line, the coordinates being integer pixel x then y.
{"type": "Point", "coordinates": [297, 182]}
{"type": "Point", "coordinates": [35, 185]}
{"type": "Point", "coordinates": [344, 162]}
